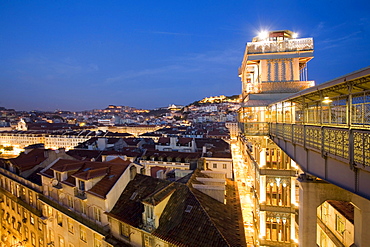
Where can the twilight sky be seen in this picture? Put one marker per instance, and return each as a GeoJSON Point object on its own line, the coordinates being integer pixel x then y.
{"type": "Point", "coordinates": [80, 55]}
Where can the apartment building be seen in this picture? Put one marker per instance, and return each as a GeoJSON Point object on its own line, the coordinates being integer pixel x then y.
{"type": "Point", "coordinates": [50, 198]}
{"type": "Point", "coordinates": [22, 222]}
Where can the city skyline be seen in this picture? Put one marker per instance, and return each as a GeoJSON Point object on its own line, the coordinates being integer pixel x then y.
{"type": "Point", "coordinates": [87, 55]}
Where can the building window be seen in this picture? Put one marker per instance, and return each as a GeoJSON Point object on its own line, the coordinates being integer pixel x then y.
{"type": "Point", "coordinates": [25, 232]}
{"type": "Point", "coordinates": [33, 239]}
{"type": "Point", "coordinates": [81, 185]}
{"type": "Point", "coordinates": [124, 230]}
{"type": "Point", "coordinates": [40, 225]}
{"type": "Point", "coordinates": [61, 241]}
{"type": "Point", "coordinates": [59, 219]}
{"type": "Point", "coordinates": [70, 225]}
{"type": "Point", "coordinates": [32, 219]}
{"type": "Point", "coordinates": [215, 165]}
{"type": "Point", "coordinates": [277, 229]}
{"type": "Point", "coordinates": [17, 190]}
{"type": "Point", "coordinates": [148, 241]}
{"type": "Point", "coordinates": [339, 223]}
{"type": "Point", "coordinates": [83, 233]}
{"type": "Point", "coordinates": [58, 176]}
{"type": "Point", "coordinates": [14, 223]}
{"type": "Point", "coordinates": [277, 194]}
{"type": "Point", "coordinates": [97, 214]}
{"type": "Point", "coordinates": [97, 241]}
{"type": "Point", "coordinates": [50, 236]}
{"type": "Point", "coordinates": [224, 166]}
{"type": "Point", "coordinates": [30, 198]}
{"type": "Point", "coordinates": [70, 201]}
{"type": "Point", "coordinates": [24, 215]}
{"type": "Point", "coordinates": [83, 207]}
{"type": "Point", "coordinates": [41, 242]}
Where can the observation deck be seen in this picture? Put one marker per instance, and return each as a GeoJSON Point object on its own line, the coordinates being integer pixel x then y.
{"type": "Point", "coordinates": [288, 45]}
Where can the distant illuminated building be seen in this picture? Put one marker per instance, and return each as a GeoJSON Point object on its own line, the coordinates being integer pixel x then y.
{"type": "Point", "coordinates": [274, 66]}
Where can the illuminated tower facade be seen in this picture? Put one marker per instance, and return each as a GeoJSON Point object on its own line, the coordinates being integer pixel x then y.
{"type": "Point", "coordinates": [274, 66]}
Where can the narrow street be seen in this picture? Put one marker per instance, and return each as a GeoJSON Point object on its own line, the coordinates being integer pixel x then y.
{"type": "Point", "coordinates": [246, 197]}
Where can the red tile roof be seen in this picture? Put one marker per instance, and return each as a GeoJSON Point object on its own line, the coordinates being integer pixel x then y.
{"type": "Point", "coordinates": [109, 171]}
{"type": "Point", "coordinates": [190, 218]}
{"type": "Point", "coordinates": [28, 161]}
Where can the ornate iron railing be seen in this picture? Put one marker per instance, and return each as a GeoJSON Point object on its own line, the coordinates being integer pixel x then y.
{"type": "Point", "coordinates": [256, 129]}
{"type": "Point", "coordinates": [281, 86]}
{"type": "Point", "coordinates": [330, 141]}
{"type": "Point", "coordinates": [280, 46]}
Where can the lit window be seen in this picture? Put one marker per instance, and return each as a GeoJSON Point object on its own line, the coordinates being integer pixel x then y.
{"type": "Point", "coordinates": [124, 230]}
{"type": "Point", "coordinates": [70, 226]}
{"type": "Point", "coordinates": [25, 232]}
{"type": "Point", "coordinates": [224, 166]}
{"type": "Point", "coordinates": [148, 241]}
{"type": "Point", "coordinates": [30, 197]}
{"type": "Point", "coordinates": [97, 241]}
{"type": "Point", "coordinates": [97, 214]}
{"type": "Point", "coordinates": [40, 225]}
{"type": "Point", "coordinates": [70, 201]}
{"type": "Point", "coordinates": [83, 208]}
{"type": "Point", "coordinates": [33, 239]}
{"type": "Point", "coordinates": [32, 219]}
{"type": "Point", "coordinates": [83, 233]}
{"type": "Point", "coordinates": [339, 224]}
{"type": "Point", "coordinates": [61, 241]}
{"type": "Point", "coordinates": [59, 219]}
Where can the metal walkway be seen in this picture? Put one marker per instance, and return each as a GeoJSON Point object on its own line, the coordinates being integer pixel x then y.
{"type": "Point", "coordinates": [326, 130]}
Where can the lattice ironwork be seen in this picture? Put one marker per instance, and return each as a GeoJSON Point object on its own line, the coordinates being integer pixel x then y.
{"type": "Point", "coordinates": [257, 129]}
{"type": "Point", "coordinates": [273, 129]}
{"type": "Point", "coordinates": [366, 148]}
{"type": "Point", "coordinates": [313, 137]}
{"type": "Point", "coordinates": [358, 144]}
{"type": "Point", "coordinates": [279, 131]}
{"type": "Point", "coordinates": [336, 142]}
{"type": "Point", "coordinates": [298, 136]}
{"type": "Point", "coordinates": [361, 148]}
{"type": "Point", "coordinates": [287, 129]}
{"type": "Point", "coordinates": [281, 86]}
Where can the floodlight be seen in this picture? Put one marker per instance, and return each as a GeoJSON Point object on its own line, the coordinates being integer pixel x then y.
{"type": "Point", "coordinates": [263, 34]}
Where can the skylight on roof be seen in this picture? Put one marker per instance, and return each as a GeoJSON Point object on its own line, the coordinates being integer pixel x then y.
{"type": "Point", "coordinates": [188, 209]}
{"type": "Point", "coordinates": [86, 169]}
{"type": "Point", "coordinates": [133, 196]}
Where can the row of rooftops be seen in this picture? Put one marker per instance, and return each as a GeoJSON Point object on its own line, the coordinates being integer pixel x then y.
{"type": "Point", "coordinates": [190, 217]}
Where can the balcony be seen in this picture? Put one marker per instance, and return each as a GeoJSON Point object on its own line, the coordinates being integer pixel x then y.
{"type": "Point", "coordinates": [280, 46]}
{"type": "Point", "coordinates": [256, 129]}
{"type": "Point", "coordinates": [81, 194]}
{"type": "Point", "coordinates": [281, 86]}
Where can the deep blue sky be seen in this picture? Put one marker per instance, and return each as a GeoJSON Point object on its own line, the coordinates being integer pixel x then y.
{"type": "Point", "coordinates": [79, 55]}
